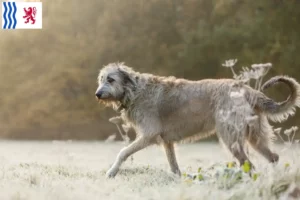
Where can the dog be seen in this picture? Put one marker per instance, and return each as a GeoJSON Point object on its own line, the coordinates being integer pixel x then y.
{"type": "Point", "coordinates": [167, 110]}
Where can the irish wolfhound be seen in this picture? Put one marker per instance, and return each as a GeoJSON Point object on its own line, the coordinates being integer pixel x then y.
{"type": "Point", "coordinates": [167, 110]}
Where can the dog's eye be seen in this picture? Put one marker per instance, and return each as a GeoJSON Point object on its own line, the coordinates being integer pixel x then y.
{"type": "Point", "coordinates": [110, 80]}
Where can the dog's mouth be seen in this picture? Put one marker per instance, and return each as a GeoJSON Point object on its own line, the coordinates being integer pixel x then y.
{"type": "Point", "coordinates": [104, 99]}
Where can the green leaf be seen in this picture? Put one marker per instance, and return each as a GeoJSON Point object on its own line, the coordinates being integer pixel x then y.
{"type": "Point", "coordinates": [246, 167]}
{"type": "Point", "coordinates": [199, 169]}
{"type": "Point", "coordinates": [231, 164]}
{"type": "Point", "coordinates": [287, 165]}
{"type": "Point", "coordinates": [200, 177]}
{"type": "Point", "coordinates": [255, 176]}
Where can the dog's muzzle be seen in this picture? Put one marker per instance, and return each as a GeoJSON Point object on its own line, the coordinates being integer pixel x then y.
{"type": "Point", "coordinates": [99, 94]}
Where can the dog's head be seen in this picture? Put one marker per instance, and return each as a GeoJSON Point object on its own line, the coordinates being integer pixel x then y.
{"type": "Point", "coordinates": [115, 81]}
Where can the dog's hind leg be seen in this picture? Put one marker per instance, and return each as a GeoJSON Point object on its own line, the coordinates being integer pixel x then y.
{"type": "Point", "coordinates": [237, 150]}
{"type": "Point", "coordinates": [138, 144]}
{"type": "Point", "coordinates": [260, 144]}
{"type": "Point", "coordinates": [235, 142]}
{"type": "Point", "coordinates": [170, 153]}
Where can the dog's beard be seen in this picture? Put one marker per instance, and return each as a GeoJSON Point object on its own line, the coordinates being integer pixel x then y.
{"type": "Point", "coordinates": [106, 102]}
{"type": "Point", "coordinates": [116, 105]}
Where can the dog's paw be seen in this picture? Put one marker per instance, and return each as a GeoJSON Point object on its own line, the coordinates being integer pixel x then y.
{"type": "Point", "coordinates": [176, 172]}
{"type": "Point", "coordinates": [111, 173]}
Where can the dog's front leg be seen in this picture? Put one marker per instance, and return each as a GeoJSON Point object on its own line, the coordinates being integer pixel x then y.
{"type": "Point", "coordinates": [138, 144]}
{"type": "Point", "coordinates": [170, 153]}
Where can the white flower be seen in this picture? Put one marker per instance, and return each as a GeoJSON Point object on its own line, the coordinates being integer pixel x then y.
{"type": "Point", "coordinates": [250, 74]}
{"type": "Point", "coordinates": [294, 128]}
{"type": "Point", "coordinates": [277, 130]}
{"type": "Point", "coordinates": [256, 74]}
{"type": "Point", "coordinates": [261, 65]}
{"type": "Point", "coordinates": [229, 63]}
{"type": "Point", "coordinates": [262, 69]}
{"type": "Point", "coordinates": [238, 77]}
{"type": "Point", "coordinates": [116, 120]}
{"type": "Point", "coordinates": [288, 132]}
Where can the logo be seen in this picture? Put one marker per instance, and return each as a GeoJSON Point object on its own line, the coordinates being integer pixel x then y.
{"type": "Point", "coordinates": [21, 15]}
{"type": "Point", "coordinates": [30, 14]}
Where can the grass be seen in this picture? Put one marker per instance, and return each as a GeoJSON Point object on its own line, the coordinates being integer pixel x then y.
{"type": "Point", "coordinates": [76, 170]}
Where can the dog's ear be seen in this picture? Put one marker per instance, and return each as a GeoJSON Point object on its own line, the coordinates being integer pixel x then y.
{"type": "Point", "coordinates": [127, 78]}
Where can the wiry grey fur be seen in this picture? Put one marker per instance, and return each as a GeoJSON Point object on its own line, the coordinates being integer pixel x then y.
{"type": "Point", "coordinates": [168, 110]}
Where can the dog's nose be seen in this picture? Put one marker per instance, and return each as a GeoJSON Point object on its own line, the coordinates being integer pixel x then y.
{"type": "Point", "coordinates": [98, 94]}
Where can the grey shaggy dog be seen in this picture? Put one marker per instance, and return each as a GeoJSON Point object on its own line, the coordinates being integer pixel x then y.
{"type": "Point", "coordinates": [166, 110]}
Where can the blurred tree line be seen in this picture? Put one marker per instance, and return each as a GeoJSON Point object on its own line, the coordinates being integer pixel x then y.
{"type": "Point", "coordinates": [48, 76]}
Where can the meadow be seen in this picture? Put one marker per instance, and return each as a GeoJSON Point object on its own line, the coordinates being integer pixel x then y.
{"type": "Point", "coordinates": [76, 170]}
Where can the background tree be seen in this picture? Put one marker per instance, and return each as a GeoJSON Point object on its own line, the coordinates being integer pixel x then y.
{"type": "Point", "coordinates": [48, 76]}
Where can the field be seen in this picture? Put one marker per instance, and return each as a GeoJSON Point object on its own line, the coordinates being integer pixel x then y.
{"type": "Point", "coordinates": [76, 170]}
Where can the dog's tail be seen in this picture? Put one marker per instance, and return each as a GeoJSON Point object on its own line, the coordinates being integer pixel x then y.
{"type": "Point", "coordinates": [279, 111]}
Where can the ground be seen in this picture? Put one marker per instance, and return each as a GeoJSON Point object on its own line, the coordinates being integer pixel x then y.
{"type": "Point", "coordinates": [76, 170]}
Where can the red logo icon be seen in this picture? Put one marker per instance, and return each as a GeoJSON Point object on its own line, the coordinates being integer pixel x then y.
{"type": "Point", "coordinates": [30, 14]}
